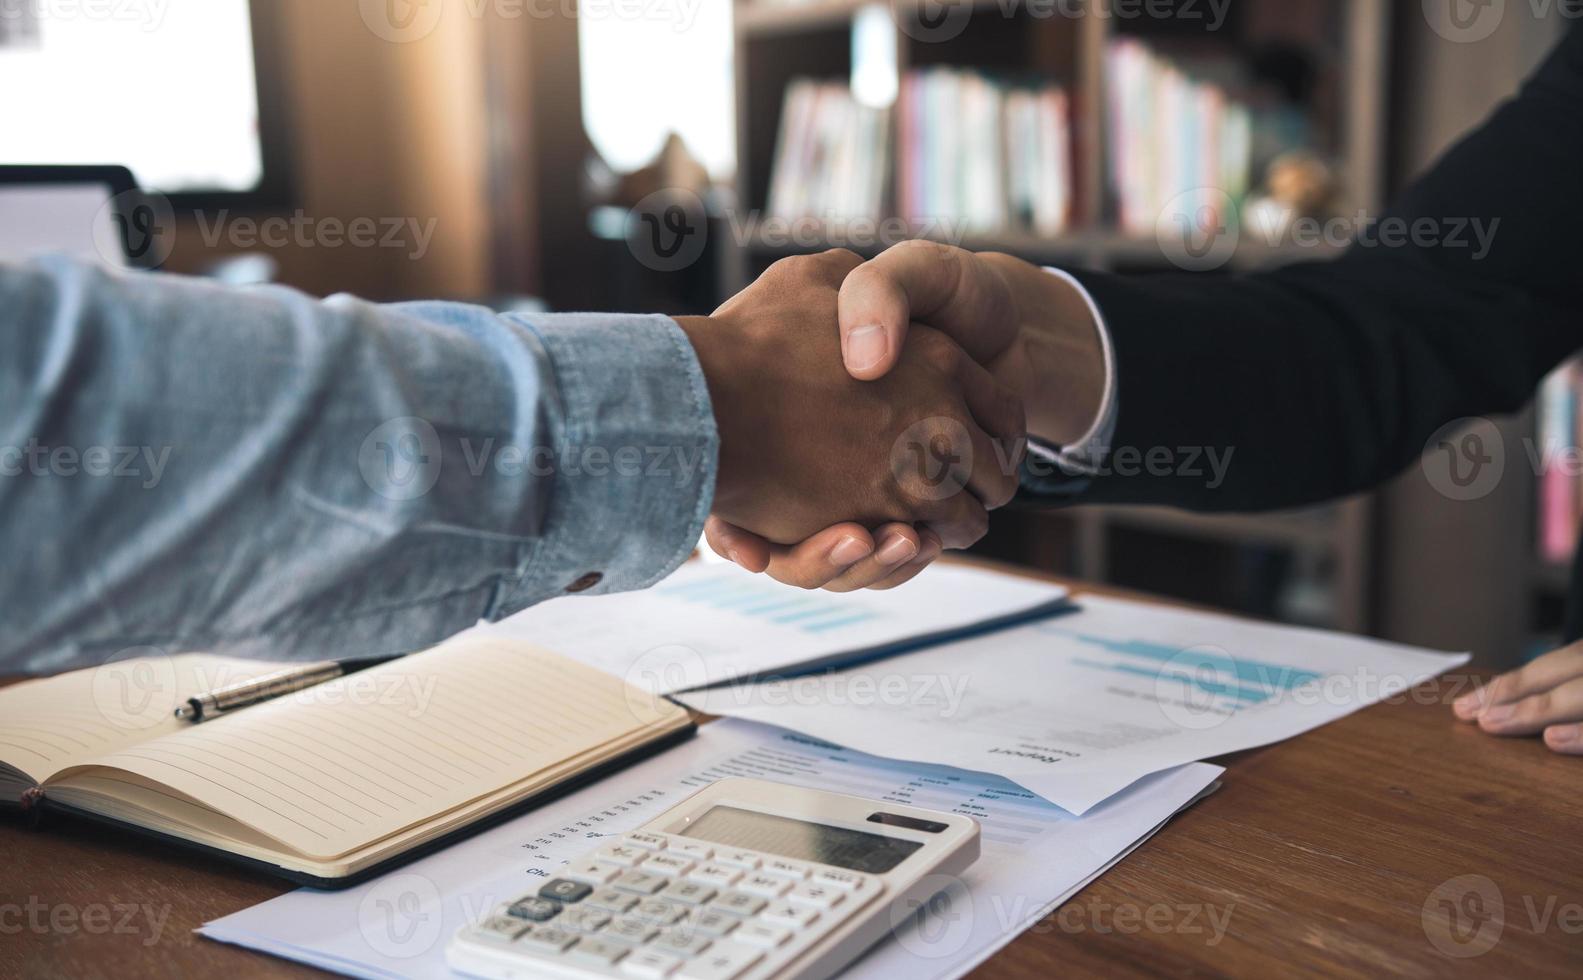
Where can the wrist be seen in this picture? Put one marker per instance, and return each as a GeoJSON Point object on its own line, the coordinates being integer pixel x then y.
{"type": "Point", "coordinates": [705, 334]}
{"type": "Point", "coordinates": [1070, 371]}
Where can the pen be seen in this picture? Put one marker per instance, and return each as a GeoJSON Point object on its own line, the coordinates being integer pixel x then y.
{"type": "Point", "coordinates": [270, 686]}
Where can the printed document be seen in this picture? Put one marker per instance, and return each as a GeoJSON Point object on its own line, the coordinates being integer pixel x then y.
{"type": "Point", "coordinates": [1078, 707]}
{"type": "Point", "coordinates": [1034, 857]}
{"type": "Point", "coordinates": [710, 623]}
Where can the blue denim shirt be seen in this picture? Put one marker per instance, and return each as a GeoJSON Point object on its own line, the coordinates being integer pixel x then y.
{"type": "Point", "coordinates": [190, 467]}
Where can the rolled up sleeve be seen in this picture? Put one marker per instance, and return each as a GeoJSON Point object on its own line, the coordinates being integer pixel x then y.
{"type": "Point", "coordinates": [636, 451]}
{"type": "Point", "coordinates": [256, 472]}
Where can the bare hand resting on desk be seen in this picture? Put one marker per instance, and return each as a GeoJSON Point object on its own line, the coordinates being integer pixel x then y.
{"type": "Point", "coordinates": [1544, 696]}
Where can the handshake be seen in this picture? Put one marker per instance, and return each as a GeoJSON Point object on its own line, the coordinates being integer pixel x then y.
{"type": "Point", "coordinates": [872, 414]}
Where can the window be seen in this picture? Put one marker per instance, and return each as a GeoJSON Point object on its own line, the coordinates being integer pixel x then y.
{"type": "Point", "coordinates": [652, 68]}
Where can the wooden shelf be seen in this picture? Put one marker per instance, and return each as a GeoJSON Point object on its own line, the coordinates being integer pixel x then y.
{"type": "Point", "coordinates": [765, 18]}
{"type": "Point", "coordinates": [1100, 248]}
{"type": "Point", "coordinates": [761, 19]}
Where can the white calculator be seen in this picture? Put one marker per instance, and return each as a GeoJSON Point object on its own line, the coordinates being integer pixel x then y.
{"type": "Point", "coordinates": [745, 880]}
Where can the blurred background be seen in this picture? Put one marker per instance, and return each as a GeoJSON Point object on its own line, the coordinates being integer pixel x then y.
{"type": "Point", "coordinates": [656, 155]}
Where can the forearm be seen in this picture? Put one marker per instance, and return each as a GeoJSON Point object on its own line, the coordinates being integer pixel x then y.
{"type": "Point", "coordinates": [1322, 379]}
{"type": "Point", "coordinates": [293, 478]}
{"type": "Point", "coordinates": [1291, 388]}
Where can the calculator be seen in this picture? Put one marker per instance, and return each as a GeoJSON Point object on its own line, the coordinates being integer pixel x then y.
{"type": "Point", "coordinates": [745, 880]}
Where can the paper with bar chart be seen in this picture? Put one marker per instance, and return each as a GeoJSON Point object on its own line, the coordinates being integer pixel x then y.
{"type": "Point", "coordinates": [1034, 857]}
{"type": "Point", "coordinates": [710, 623]}
{"type": "Point", "coordinates": [1078, 707]}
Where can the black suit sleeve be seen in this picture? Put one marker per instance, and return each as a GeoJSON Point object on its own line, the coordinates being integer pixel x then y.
{"type": "Point", "coordinates": [1327, 378]}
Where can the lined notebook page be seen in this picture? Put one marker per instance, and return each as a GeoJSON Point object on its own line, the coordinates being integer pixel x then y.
{"type": "Point", "coordinates": [51, 724]}
{"type": "Point", "coordinates": [350, 762]}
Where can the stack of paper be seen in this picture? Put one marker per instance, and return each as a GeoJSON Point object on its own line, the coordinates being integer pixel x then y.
{"type": "Point", "coordinates": [1034, 857]}
{"type": "Point", "coordinates": [1079, 707]}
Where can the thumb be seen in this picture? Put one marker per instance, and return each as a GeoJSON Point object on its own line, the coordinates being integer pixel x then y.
{"type": "Point", "coordinates": [948, 288]}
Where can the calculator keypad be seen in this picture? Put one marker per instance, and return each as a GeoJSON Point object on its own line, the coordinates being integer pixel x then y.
{"type": "Point", "coordinates": [656, 906]}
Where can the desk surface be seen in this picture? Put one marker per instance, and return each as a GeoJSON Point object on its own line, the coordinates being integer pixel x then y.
{"type": "Point", "coordinates": [1340, 852]}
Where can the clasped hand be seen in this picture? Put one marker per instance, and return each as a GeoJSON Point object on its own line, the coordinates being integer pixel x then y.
{"type": "Point", "coordinates": [857, 443]}
{"type": "Point", "coordinates": [922, 453]}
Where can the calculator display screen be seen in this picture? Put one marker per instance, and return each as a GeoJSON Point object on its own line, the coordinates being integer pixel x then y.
{"type": "Point", "coordinates": [801, 840]}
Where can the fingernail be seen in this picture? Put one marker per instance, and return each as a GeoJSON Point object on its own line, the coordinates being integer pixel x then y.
{"type": "Point", "coordinates": [1466, 707]}
{"type": "Point", "coordinates": [1496, 714]}
{"type": "Point", "coordinates": [848, 551]}
{"type": "Point", "coordinates": [1562, 734]}
{"type": "Point", "coordinates": [732, 554]}
{"type": "Point", "coordinates": [896, 550]}
{"type": "Point", "coordinates": [865, 347]}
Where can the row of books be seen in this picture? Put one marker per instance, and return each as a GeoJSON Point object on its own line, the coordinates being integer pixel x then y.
{"type": "Point", "coordinates": [832, 157]}
{"type": "Point", "coordinates": [1560, 482]}
{"type": "Point", "coordinates": [1171, 132]}
{"type": "Point", "coordinates": [983, 156]}
{"type": "Point", "coordinates": [971, 155]}
{"type": "Point", "coordinates": [976, 155]}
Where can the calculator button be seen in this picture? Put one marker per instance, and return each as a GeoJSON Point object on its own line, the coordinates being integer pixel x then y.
{"type": "Point", "coordinates": [791, 916]}
{"type": "Point", "coordinates": [746, 860]}
{"type": "Point", "coordinates": [649, 964]}
{"type": "Point", "coordinates": [548, 939]}
{"type": "Point", "coordinates": [718, 875]}
{"type": "Point", "coordinates": [597, 952]}
{"type": "Point", "coordinates": [622, 855]}
{"type": "Point", "coordinates": [818, 896]}
{"type": "Point", "coordinates": [786, 868]}
{"type": "Point", "coordinates": [612, 900]}
{"type": "Point", "coordinates": [767, 885]}
{"type": "Point", "coordinates": [660, 911]}
{"type": "Point", "coordinates": [639, 881]}
{"type": "Point", "coordinates": [645, 840]}
{"type": "Point", "coordinates": [714, 924]}
{"type": "Point", "coordinates": [690, 892]}
{"type": "Point", "coordinates": [723, 961]}
{"type": "Point", "coordinates": [759, 934]}
{"type": "Point", "coordinates": [681, 942]}
{"type": "Point", "coordinates": [844, 880]}
{"type": "Point", "coordinates": [502, 928]}
{"type": "Point", "coordinates": [583, 919]}
{"type": "Point", "coordinates": [738, 903]}
{"type": "Point", "coordinates": [592, 872]}
{"type": "Point", "coordinates": [667, 864]}
{"type": "Point", "coordinates": [535, 909]}
{"type": "Point", "coordinates": [692, 849]}
{"type": "Point", "coordinates": [565, 891]}
{"type": "Point", "coordinates": [633, 932]}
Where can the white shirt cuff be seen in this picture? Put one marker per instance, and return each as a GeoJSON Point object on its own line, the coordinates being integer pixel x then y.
{"type": "Point", "coordinates": [1086, 456]}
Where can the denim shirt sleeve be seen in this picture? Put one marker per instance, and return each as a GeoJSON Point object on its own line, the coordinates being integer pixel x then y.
{"type": "Point", "coordinates": [187, 467]}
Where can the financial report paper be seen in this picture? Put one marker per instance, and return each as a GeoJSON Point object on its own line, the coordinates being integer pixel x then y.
{"type": "Point", "coordinates": [1078, 707]}
{"type": "Point", "coordinates": [710, 623]}
{"type": "Point", "coordinates": [1034, 856]}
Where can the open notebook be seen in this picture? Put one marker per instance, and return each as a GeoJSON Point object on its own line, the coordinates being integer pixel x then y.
{"type": "Point", "coordinates": [331, 785]}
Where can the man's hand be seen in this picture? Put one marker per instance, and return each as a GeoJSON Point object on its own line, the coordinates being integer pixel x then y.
{"type": "Point", "coordinates": [1543, 696]}
{"type": "Point", "coordinates": [1031, 329]}
{"type": "Point", "coordinates": [803, 444]}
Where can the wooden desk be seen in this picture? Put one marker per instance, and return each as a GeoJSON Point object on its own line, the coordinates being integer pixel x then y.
{"type": "Point", "coordinates": [1318, 855]}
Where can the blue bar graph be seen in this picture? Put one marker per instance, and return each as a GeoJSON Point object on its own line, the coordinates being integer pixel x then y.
{"type": "Point", "coordinates": [1252, 672]}
{"type": "Point", "coordinates": [1246, 694]}
{"type": "Point", "coordinates": [762, 600]}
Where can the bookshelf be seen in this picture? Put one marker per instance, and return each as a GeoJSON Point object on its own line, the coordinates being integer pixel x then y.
{"type": "Point", "coordinates": [781, 41]}
{"type": "Point", "coordinates": [1554, 428]}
